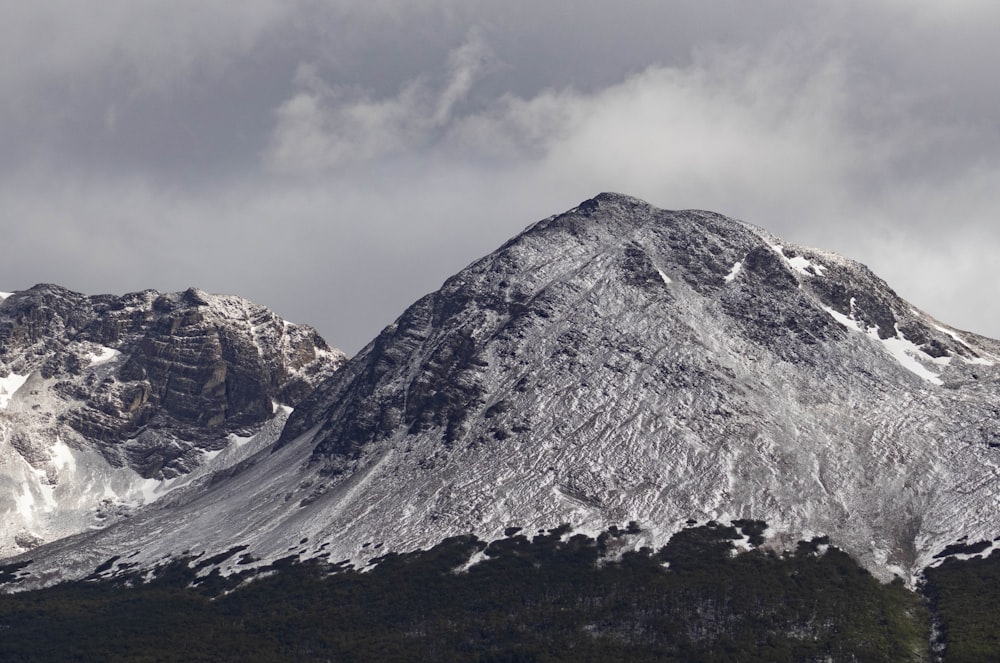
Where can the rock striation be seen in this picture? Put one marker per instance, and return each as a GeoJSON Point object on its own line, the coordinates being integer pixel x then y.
{"type": "Point", "coordinates": [620, 362]}
{"type": "Point", "coordinates": [150, 385]}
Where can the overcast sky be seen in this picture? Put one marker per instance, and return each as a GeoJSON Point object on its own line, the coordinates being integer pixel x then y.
{"type": "Point", "coordinates": [335, 160]}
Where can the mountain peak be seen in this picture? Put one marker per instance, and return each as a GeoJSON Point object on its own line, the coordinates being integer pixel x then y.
{"type": "Point", "coordinates": [658, 365]}
{"type": "Point", "coordinates": [617, 363]}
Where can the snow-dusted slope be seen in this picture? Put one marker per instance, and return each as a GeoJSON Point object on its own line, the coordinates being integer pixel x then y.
{"type": "Point", "coordinates": [614, 363]}
{"type": "Point", "coordinates": [110, 402]}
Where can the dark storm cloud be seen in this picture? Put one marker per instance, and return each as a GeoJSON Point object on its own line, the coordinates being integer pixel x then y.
{"type": "Point", "coordinates": [336, 160]}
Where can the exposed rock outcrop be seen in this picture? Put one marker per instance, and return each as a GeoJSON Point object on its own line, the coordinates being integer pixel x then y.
{"type": "Point", "coordinates": [153, 383]}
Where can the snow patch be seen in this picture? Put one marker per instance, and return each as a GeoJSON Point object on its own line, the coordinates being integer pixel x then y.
{"type": "Point", "coordinates": [981, 361]}
{"type": "Point", "coordinates": [25, 502]}
{"type": "Point", "coordinates": [62, 456]}
{"type": "Point", "coordinates": [238, 440]}
{"type": "Point", "coordinates": [277, 407]}
{"type": "Point", "coordinates": [9, 386]}
{"type": "Point", "coordinates": [102, 356]}
{"type": "Point", "coordinates": [742, 544]}
{"type": "Point", "coordinates": [800, 264]}
{"type": "Point", "coordinates": [734, 271]}
{"type": "Point", "coordinates": [666, 279]}
{"type": "Point", "coordinates": [953, 335]}
{"type": "Point", "coordinates": [153, 489]}
{"type": "Point", "coordinates": [845, 320]}
{"type": "Point", "coordinates": [475, 558]}
{"type": "Point", "coordinates": [5, 295]}
{"type": "Point", "coordinates": [905, 352]}
{"type": "Point", "coordinates": [209, 455]}
{"type": "Point", "coordinates": [48, 492]}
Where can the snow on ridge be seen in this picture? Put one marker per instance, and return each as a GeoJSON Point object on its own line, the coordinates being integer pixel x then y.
{"type": "Point", "coordinates": [5, 295]}
{"type": "Point", "coordinates": [903, 351]}
{"type": "Point", "coordinates": [954, 335]}
{"type": "Point", "coordinates": [800, 264]}
{"type": "Point", "coordinates": [982, 361]}
{"type": "Point", "coordinates": [8, 386]}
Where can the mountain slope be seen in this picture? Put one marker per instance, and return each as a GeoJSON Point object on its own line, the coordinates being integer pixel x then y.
{"type": "Point", "coordinates": [619, 362]}
{"type": "Point", "coordinates": [109, 401]}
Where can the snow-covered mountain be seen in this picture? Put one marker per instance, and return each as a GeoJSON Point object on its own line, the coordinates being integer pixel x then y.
{"type": "Point", "coordinates": [614, 363]}
{"type": "Point", "coordinates": [107, 402]}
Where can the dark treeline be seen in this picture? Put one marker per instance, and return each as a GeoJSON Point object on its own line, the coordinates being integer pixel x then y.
{"type": "Point", "coordinates": [965, 598]}
{"type": "Point", "coordinates": [554, 597]}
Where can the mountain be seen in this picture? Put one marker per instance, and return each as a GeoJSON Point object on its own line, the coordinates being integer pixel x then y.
{"type": "Point", "coordinates": [614, 363]}
{"type": "Point", "coordinates": [107, 402]}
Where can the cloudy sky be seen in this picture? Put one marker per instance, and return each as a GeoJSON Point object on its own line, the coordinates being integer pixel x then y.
{"type": "Point", "coordinates": [336, 159]}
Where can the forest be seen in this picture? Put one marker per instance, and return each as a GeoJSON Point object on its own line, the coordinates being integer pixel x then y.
{"type": "Point", "coordinates": [549, 596]}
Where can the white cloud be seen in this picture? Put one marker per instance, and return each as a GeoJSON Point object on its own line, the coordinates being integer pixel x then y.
{"type": "Point", "coordinates": [323, 127]}
{"type": "Point", "coordinates": [737, 132]}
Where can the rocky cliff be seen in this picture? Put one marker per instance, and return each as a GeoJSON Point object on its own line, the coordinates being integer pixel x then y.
{"type": "Point", "coordinates": [104, 399]}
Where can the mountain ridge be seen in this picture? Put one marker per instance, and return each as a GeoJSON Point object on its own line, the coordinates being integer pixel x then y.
{"type": "Point", "coordinates": [107, 399]}
{"type": "Point", "coordinates": [619, 362]}
{"type": "Point", "coordinates": [818, 311]}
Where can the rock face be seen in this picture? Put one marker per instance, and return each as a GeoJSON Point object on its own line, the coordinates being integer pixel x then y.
{"type": "Point", "coordinates": [614, 363]}
{"type": "Point", "coordinates": [621, 362]}
{"type": "Point", "coordinates": [150, 385]}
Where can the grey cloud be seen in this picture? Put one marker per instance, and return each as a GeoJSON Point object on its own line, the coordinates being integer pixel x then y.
{"type": "Point", "coordinates": [160, 43]}
{"type": "Point", "coordinates": [337, 160]}
{"type": "Point", "coordinates": [324, 127]}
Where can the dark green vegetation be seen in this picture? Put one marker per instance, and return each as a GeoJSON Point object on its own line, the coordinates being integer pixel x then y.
{"type": "Point", "coordinates": [965, 596]}
{"type": "Point", "coordinates": [556, 597]}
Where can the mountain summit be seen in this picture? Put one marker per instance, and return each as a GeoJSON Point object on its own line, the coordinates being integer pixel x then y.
{"type": "Point", "coordinates": [621, 362]}
{"type": "Point", "coordinates": [616, 363]}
